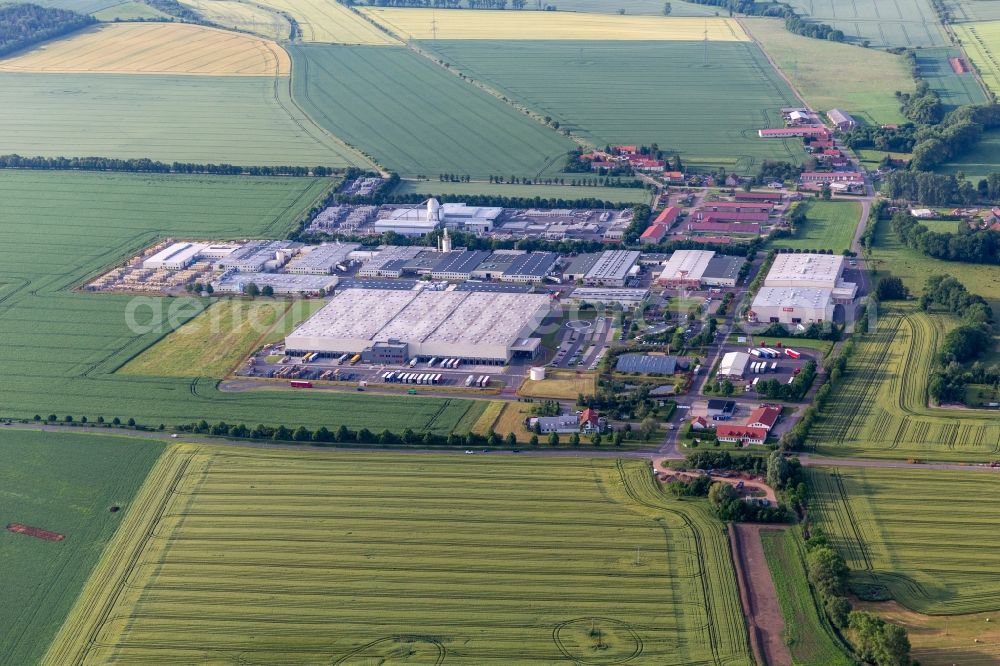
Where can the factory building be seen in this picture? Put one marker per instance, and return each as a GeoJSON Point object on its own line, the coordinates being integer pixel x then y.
{"type": "Point", "coordinates": [612, 268]}
{"type": "Point", "coordinates": [531, 267]}
{"type": "Point", "coordinates": [821, 271]}
{"type": "Point", "coordinates": [420, 220]}
{"type": "Point", "coordinates": [792, 305]}
{"type": "Point", "coordinates": [685, 269]}
{"type": "Point", "coordinates": [723, 271]}
{"type": "Point", "coordinates": [235, 282]}
{"type": "Point", "coordinates": [621, 296]}
{"type": "Point", "coordinates": [733, 365]}
{"type": "Point", "coordinates": [323, 259]}
{"type": "Point", "coordinates": [387, 261]}
{"type": "Point", "coordinates": [580, 266]}
{"type": "Point", "coordinates": [476, 327]}
{"type": "Point", "coordinates": [496, 264]}
{"type": "Point", "coordinates": [260, 255]}
{"type": "Point", "coordinates": [174, 257]}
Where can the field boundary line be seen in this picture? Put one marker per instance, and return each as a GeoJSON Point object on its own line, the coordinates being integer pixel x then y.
{"type": "Point", "coordinates": [774, 65]}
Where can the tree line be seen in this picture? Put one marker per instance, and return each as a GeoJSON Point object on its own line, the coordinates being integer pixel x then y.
{"type": "Point", "coordinates": [443, 4]}
{"type": "Point", "coordinates": [793, 22]}
{"type": "Point", "coordinates": [146, 165]}
{"type": "Point", "coordinates": [22, 25]}
{"type": "Point", "coordinates": [976, 246]}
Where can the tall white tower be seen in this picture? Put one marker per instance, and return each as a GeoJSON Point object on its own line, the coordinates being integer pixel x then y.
{"type": "Point", "coordinates": [446, 241]}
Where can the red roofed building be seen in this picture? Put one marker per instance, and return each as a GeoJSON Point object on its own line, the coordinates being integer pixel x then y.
{"type": "Point", "coordinates": [739, 206]}
{"type": "Point", "coordinates": [723, 227]}
{"type": "Point", "coordinates": [741, 434]}
{"type": "Point", "coordinates": [716, 240]}
{"type": "Point", "coordinates": [831, 177]}
{"type": "Point", "coordinates": [601, 164]}
{"type": "Point", "coordinates": [765, 416]}
{"type": "Point", "coordinates": [774, 197]}
{"type": "Point", "coordinates": [643, 164]}
{"type": "Point", "coordinates": [787, 132]}
{"type": "Point", "coordinates": [729, 216]}
{"type": "Point", "coordinates": [668, 215]}
{"type": "Point", "coordinates": [626, 150]}
{"type": "Point", "coordinates": [699, 423]}
{"type": "Point", "coordinates": [654, 233]}
{"type": "Point", "coordinates": [673, 176]}
{"type": "Point", "coordinates": [590, 420]}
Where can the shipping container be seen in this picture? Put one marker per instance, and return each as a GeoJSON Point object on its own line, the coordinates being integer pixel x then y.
{"type": "Point", "coordinates": [342, 359]}
{"type": "Point", "coordinates": [413, 362]}
{"type": "Point", "coordinates": [471, 378]}
{"type": "Point", "coordinates": [757, 352]}
{"type": "Point", "coordinates": [774, 367]}
{"type": "Point", "coordinates": [486, 381]}
{"type": "Point", "coordinates": [430, 363]}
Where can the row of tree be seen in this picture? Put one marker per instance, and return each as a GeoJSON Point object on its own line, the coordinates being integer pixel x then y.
{"type": "Point", "coordinates": [22, 25]}
{"type": "Point", "coordinates": [977, 246]}
{"type": "Point", "coordinates": [444, 4]}
{"type": "Point", "coordinates": [145, 165]}
{"type": "Point", "coordinates": [793, 22]}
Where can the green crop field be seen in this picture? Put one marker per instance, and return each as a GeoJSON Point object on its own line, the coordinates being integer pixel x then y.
{"type": "Point", "coordinates": [434, 187]}
{"type": "Point", "coordinates": [955, 89]}
{"type": "Point", "coordinates": [807, 632]}
{"type": "Point", "coordinates": [866, 80]}
{"type": "Point", "coordinates": [61, 347]}
{"type": "Point", "coordinates": [903, 23]}
{"type": "Point", "coordinates": [980, 162]}
{"type": "Point", "coordinates": [982, 43]}
{"type": "Point", "coordinates": [927, 537]}
{"type": "Point", "coordinates": [631, 7]}
{"type": "Point", "coordinates": [129, 11]}
{"type": "Point", "coordinates": [627, 92]}
{"type": "Point", "coordinates": [64, 483]}
{"type": "Point", "coordinates": [82, 6]}
{"type": "Point", "coordinates": [973, 10]}
{"type": "Point", "coordinates": [416, 118]}
{"type": "Point", "coordinates": [278, 557]}
{"type": "Point", "coordinates": [880, 409]}
{"type": "Point", "coordinates": [830, 225]}
{"type": "Point", "coordinates": [240, 120]}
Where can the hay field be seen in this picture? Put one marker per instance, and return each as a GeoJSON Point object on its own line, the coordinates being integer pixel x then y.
{"type": "Point", "coordinates": [411, 23]}
{"type": "Point", "coordinates": [626, 92]}
{"type": "Point", "coordinates": [280, 557]}
{"type": "Point", "coordinates": [982, 43]}
{"type": "Point", "coordinates": [416, 118]}
{"type": "Point", "coordinates": [243, 16]}
{"type": "Point", "coordinates": [64, 483]}
{"type": "Point", "coordinates": [954, 89]}
{"type": "Point", "coordinates": [928, 537]}
{"type": "Point", "coordinates": [247, 120]}
{"type": "Point", "coordinates": [154, 48]}
{"type": "Point", "coordinates": [829, 225]}
{"type": "Point", "coordinates": [866, 79]}
{"type": "Point", "coordinates": [902, 23]}
{"type": "Point", "coordinates": [560, 384]}
{"type": "Point", "coordinates": [330, 22]}
{"type": "Point", "coordinates": [62, 347]}
{"type": "Point", "coordinates": [880, 410]}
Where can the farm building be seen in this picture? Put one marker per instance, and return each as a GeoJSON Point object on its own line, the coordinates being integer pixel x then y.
{"type": "Point", "coordinates": [737, 207]}
{"type": "Point", "coordinates": [821, 271]}
{"type": "Point", "coordinates": [794, 132]}
{"type": "Point", "coordinates": [729, 215]}
{"type": "Point", "coordinates": [723, 271]}
{"type": "Point", "coordinates": [653, 234]}
{"type": "Point", "coordinates": [668, 215]}
{"type": "Point", "coordinates": [649, 364]}
{"type": "Point", "coordinates": [832, 177]}
{"type": "Point", "coordinates": [841, 119]}
{"type": "Point", "coordinates": [619, 295]}
{"type": "Point", "coordinates": [772, 197]}
{"type": "Point", "coordinates": [234, 282]}
{"type": "Point", "coordinates": [260, 255]}
{"type": "Point", "coordinates": [475, 326]}
{"type": "Point", "coordinates": [792, 305]}
{"type": "Point", "coordinates": [733, 365]}
{"type": "Point", "coordinates": [765, 416]}
{"type": "Point", "coordinates": [740, 434]}
{"type": "Point", "coordinates": [174, 257]}
{"type": "Point", "coordinates": [685, 269]}
{"type": "Point", "coordinates": [322, 259]}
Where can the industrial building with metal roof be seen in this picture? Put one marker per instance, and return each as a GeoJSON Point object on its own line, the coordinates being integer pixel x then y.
{"type": "Point", "coordinates": [175, 257]}
{"type": "Point", "coordinates": [612, 268]}
{"type": "Point", "coordinates": [821, 271]}
{"type": "Point", "coordinates": [530, 267]}
{"type": "Point", "coordinates": [647, 364]}
{"type": "Point", "coordinates": [322, 259]}
{"type": "Point", "coordinates": [621, 295]}
{"type": "Point", "coordinates": [478, 327]}
{"type": "Point", "coordinates": [260, 255]}
{"type": "Point", "coordinates": [792, 305]}
{"type": "Point", "coordinates": [685, 268]}
{"type": "Point", "coordinates": [234, 282]}
{"type": "Point", "coordinates": [733, 365]}
{"type": "Point", "coordinates": [723, 270]}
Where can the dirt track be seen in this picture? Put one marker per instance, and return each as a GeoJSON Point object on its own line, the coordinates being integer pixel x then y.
{"type": "Point", "coordinates": [758, 596]}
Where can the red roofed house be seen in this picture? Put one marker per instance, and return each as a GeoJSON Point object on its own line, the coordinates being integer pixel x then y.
{"type": "Point", "coordinates": [774, 197]}
{"type": "Point", "coordinates": [668, 215]}
{"type": "Point", "coordinates": [643, 164]}
{"type": "Point", "coordinates": [765, 416]}
{"type": "Point", "coordinates": [740, 434]}
{"type": "Point", "coordinates": [601, 164]}
{"type": "Point", "coordinates": [723, 227]}
{"type": "Point", "coordinates": [699, 423]}
{"type": "Point", "coordinates": [626, 150]}
{"type": "Point", "coordinates": [654, 233]}
{"type": "Point", "coordinates": [673, 176]}
{"type": "Point", "coordinates": [590, 420]}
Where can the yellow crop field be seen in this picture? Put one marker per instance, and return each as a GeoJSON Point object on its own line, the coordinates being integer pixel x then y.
{"type": "Point", "coordinates": [515, 25]}
{"type": "Point", "coordinates": [328, 21]}
{"type": "Point", "coordinates": [560, 384]}
{"type": "Point", "coordinates": [243, 16]}
{"type": "Point", "coordinates": [155, 48]}
{"type": "Point", "coordinates": [982, 43]}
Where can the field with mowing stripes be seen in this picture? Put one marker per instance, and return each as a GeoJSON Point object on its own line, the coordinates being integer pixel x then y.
{"type": "Point", "coordinates": [955, 89]}
{"type": "Point", "coordinates": [328, 21]}
{"type": "Point", "coordinates": [64, 483]}
{"type": "Point", "coordinates": [880, 409]}
{"type": "Point", "coordinates": [243, 16]}
{"type": "Point", "coordinates": [982, 43]}
{"type": "Point", "coordinates": [973, 10]}
{"type": "Point", "coordinates": [627, 92]}
{"type": "Point", "coordinates": [411, 23]}
{"type": "Point", "coordinates": [433, 187]}
{"type": "Point", "coordinates": [829, 225]}
{"type": "Point", "coordinates": [154, 48]}
{"type": "Point", "coordinates": [276, 557]}
{"type": "Point", "coordinates": [928, 537]}
{"type": "Point", "coordinates": [416, 118]}
{"type": "Point", "coordinates": [902, 23]}
{"type": "Point", "coordinates": [62, 347]}
{"type": "Point", "coordinates": [247, 120]}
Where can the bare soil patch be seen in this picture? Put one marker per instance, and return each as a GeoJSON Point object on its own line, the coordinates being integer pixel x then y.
{"type": "Point", "coordinates": [761, 608]}
{"type": "Point", "coordinates": [37, 532]}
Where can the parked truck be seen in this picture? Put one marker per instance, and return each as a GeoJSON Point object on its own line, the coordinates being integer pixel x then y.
{"type": "Point", "coordinates": [792, 353]}
{"type": "Point", "coordinates": [296, 383]}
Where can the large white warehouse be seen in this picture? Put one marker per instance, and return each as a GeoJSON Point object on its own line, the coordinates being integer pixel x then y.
{"type": "Point", "coordinates": [819, 271]}
{"type": "Point", "coordinates": [478, 327]}
{"type": "Point", "coordinates": [792, 305]}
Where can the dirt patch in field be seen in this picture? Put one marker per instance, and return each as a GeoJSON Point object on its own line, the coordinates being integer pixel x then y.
{"type": "Point", "coordinates": [758, 596]}
{"type": "Point", "coordinates": [37, 532]}
{"type": "Point", "coordinates": [958, 65]}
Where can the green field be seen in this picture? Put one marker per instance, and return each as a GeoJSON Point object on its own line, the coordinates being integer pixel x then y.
{"type": "Point", "coordinates": [82, 6]}
{"type": "Point", "coordinates": [880, 409]}
{"type": "Point", "coordinates": [927, 537]}
{"type": "Point", "coordinates": [973, 10]}
{"type": "Point", "coordinates": [129, 11]}
{"type": "Point", "coordinates": [631, 7]}
{"type": "Point", "coordinates": [61, 348]}
{"type": "Point", "coordinates": [416, 118]}
{"type": "Point", "coordinates": [628, 92]}
{"type": "Point", "coordinates": [902, 23]}
{"type": "Point", "coordinates": [829, 225]}
{"type": "Point", "coordinates": [441, 559]}
{"type": "Point", "coordinates": [955, 89]}
{"type": "Point", "coordinates": [980, 162]}
{"type": "Point", "coordinates": [243, 120]}
{"type": "Point", "coordinates": [824, 346]}
{"type": "Point", "coordinates": [807, 632]}
{"type": "Point", "coordinates": [982, 43]}
{"type": "Point", "coordinates": [866, 80]}
{"type": "Point", "coordinates": [63, 483]}
{"type": "Point", "coordinates": [434, 187]}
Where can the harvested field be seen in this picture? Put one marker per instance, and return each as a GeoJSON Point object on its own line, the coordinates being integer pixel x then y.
{"type": "Point", "coordinates": [464, 559]}
{"type": "Point", "coordinates": [758, 596]}
{"type": "Point", "coordinates": [132, 10]}
{"type": "Point", "coordinates": [925, 538]}
{"type": "Point", "coordinates": [511, 419]}
{"type": "Point", "coordinates": [416, 118]}
{"type": "Point", "coordinates": [37, 532]}
{"type": "Point", "coordinates": [485, 422]}
{"type": "Point", "coordinates": [880, 410]}
{"type": "Point", "coordinates": [412, 23]}
{"type": "Point", "coordinates": [330, 22]}
{"type": "Point", "coordinates": [625, 92]}
{"type": "Point", "coordinates": [154, 48]}
{"type": "Point", "coordinates": [560, 384]}
{"type": "Point", "coordinates": [982, 43]}
{"type": "Point", "coordinates": [65, 482]}
{"type": "Point", "coordinates": [243, 16]}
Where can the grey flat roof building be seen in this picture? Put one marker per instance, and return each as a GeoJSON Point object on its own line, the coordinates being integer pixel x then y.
{"type": "Point", "coordinates": [282, 283]}
{"type": "Point", "coordinates": [647, 364]}
{"type": "Point", "coordinates": [722, 270]}
{"type": "Point", "coordinates": [532, 267]}
{"type": "Point", "coordinates": [612, 267]}
{"type": "Point", "coordinates": [322, 259]}
{"type": "Point", "coordinates": [581, 265]}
